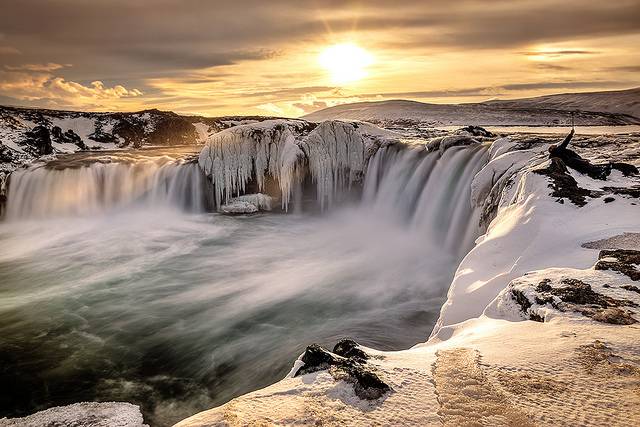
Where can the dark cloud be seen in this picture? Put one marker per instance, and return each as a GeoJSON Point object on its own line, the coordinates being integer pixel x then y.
{"type": "Point", "coordinates": [626, 69]}
{"type": "Point", "coordinates": [551, 67]}
{"type": "Point", "coordinates": [558, 53]}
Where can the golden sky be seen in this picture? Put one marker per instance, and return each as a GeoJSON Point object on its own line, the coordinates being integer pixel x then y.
{"type": "Point", "coordinates": [275, 57]}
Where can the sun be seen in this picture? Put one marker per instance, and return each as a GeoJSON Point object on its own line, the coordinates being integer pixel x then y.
{"type": "Point", "coordinates": [346, 62]}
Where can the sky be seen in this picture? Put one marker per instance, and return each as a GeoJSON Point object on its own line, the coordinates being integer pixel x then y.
{"type": "Point", "coordinates": [276, 57]}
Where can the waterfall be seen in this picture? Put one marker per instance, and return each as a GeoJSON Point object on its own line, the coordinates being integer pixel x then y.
{"type": "Point", "coordinates": [427, 191]}
{"type": "Point", "coordinates": [89, 189]}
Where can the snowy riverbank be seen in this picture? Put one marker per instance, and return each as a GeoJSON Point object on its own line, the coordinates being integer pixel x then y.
{"type": "Point", "coordinates": [487, 361]}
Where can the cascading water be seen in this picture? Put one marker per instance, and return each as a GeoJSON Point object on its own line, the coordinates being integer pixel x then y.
{"type": "Point", "coordinates": [427, 191]}
{"type": "Point", "coordinates": [90, 189]}
{"type": "Point", "coordinates": [108, 295]}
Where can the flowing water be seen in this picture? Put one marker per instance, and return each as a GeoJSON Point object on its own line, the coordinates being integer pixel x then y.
{"type": "Point", "coordinates": [134, 293]}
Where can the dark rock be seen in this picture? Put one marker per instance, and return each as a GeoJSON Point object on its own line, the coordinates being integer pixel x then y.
{"type": "Point", "coordinates": [594, 171]}
{"type": "Point", "coordinates": [609, 199]}
{"type": "Point", "coordinates": [477, 131]}
{"type": "Point", "coordinates": [40, 139]}
{"type": "Point", "coordinates": [347, 347]}
{"type": "Point", "coordinates": [631, 288]}
{"type": "Point", "coordinates": [366, 384]}
{"type": "Point", "coordinates": [625, 261]}
{"type": "Point", "coordinates": [316, 358]}
{"type": "Point", "coordinates": [578, 296]}
{"type": "Point", "coordinates": [579, 292]}
{"type": "Point", "coordinates": [132, 132]}
{"type": "Point", "coordinates": [68, 137]}
{"type": "Point", "coordinates": [613, 315]}
{"type": "Point", "coordinates": [633, 192]}
{"type": "Point", "coordinates": [563, 184]}
{"type": "Point", "coordinates": [172, 130]}
{"type": "Point", "coordinates": [544, 286]}
{"type": "Point", "coordinates": [525, 305]}
{"type": "Point", "coordinates": [521, 300]}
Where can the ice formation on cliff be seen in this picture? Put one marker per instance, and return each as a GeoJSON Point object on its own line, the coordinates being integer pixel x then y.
{"type": "Point", "coordinates": [334, 154]}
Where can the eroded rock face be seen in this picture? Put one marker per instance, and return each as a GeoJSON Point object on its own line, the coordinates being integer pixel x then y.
{"type": "Point", "coordinates": [477, 131]}
{"type": "Point", "coordinates": [68, 137]}
{"type": "Point", "coordinates": [347, 347]}
{"type": "Point", "coordinates": [564, 186]}
{"type": "Point", "coordinates": [40, 139]}
{"type": "Point", "coordinates": [602, 293]}
{"type": "Point", "coordinates": [352, 369]}
{"type": "Point", "coordinates": [624, 261]}
{"type": "Point", "coordinates": [593, 171]}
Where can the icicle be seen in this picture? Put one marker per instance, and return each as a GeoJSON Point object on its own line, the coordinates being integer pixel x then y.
{"type": "Point", "coordinates": [336, 153]}
{"type": "Point", "coordinates": [234, 156]}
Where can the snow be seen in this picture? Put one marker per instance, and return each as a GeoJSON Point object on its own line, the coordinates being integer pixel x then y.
{"type": "Point", "coordinates": [607, 108]}
{"type": "Point", "coordinates": [81, 126]}
{"type": "Point", "coordinates": [532, 231]}
{"type": "Point", "coordinates": [248, 203]}
{"type": "Point", "coordinates": [64, 147]}
{"type": "Point", "coordinates": [86, 414]}
{"type": "Point", "coordinates": [204, 131]}
{"type": "Point", "coordinates": [484, 363]}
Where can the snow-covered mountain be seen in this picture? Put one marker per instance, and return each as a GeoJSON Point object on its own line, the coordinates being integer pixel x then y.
{"type": "Point", "coordinates": [593, 109]}
{"type": "Point", "coordinates": [27, 133]}
{"type": "Point", "coordinates": [617, 101]}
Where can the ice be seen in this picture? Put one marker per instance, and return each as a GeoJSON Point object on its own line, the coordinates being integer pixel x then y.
{"type": "Point", "coordinates": [234, 156]}
{"type": "Point", "coordinates": [336, 153]}
{"type": "Point", "coordinates": [248, 203]}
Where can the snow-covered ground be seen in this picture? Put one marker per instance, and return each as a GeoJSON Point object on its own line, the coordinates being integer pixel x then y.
{"type": "Point", "coordinates": [86, 414]}
{"type": "Point", "coordinates": [588, 109]}
{"type": "Point", "coordinates": [539, 328]}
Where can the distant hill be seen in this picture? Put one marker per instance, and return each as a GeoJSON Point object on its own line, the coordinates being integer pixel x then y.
{"type": "Point", "coordinates": [27, 133]}
{"type": "Point", "coordinates": [617, 101]}
{"type": "Point", "coordinates": [595, 109]}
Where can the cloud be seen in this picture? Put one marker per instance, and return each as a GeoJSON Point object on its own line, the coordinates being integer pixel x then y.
{"type": "Point", "coordinates": [42, 86]}
{"type": "Point", "coordinates": [51, 66]}
{"type": "Point", "coordinates": [626, 68]}
{"type": "Point", "coordinates": [552, 67]}
{"type": "Point", "coordinates": [271, 108]}
{"type": "Point", "coordinates": [8, 50]}
{"type": "Point", "coordinates": [292, 91]}
{"type": "Point", "coordinates": [559, 53]}
{"type": "Point", "coordinates": [452, 93]}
